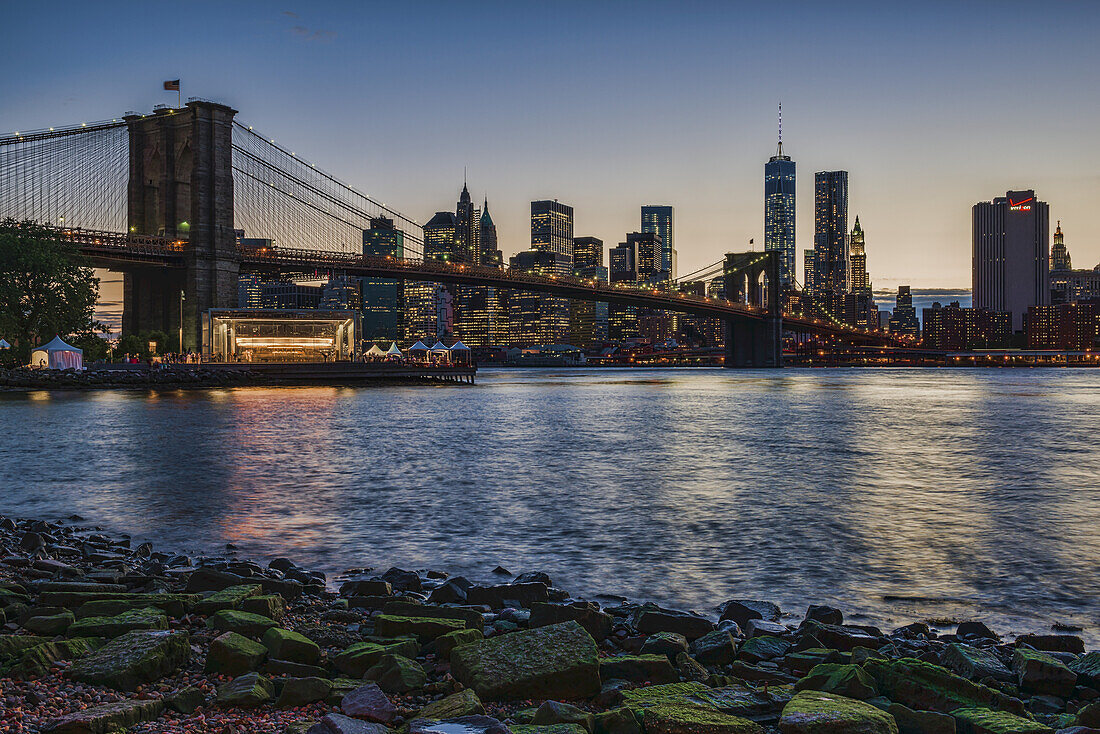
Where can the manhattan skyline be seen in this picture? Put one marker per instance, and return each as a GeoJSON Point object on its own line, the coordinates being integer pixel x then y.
{"type": "Point", "coordinates": [929, 109]}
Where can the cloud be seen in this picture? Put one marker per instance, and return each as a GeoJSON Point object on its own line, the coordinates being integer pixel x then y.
{"type": "Point", "coordinates": [289, 14]}
{"type": "Point", "coordinates": [310, 34]}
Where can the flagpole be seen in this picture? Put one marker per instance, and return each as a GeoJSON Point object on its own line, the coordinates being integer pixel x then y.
{"type": "Point", "coordinates": [179, 96]}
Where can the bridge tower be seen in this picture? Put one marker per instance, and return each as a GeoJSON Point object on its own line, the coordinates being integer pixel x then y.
{"type": "Point", "coordinates": [181, 187]}
{"type": "Point", "coordinates": [751, 342]}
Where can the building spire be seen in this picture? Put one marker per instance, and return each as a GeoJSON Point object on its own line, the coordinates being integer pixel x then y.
{"type": "Point", "coordinates": [780, 153]}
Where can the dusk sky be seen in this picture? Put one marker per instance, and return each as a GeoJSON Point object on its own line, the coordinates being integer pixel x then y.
{"type": "Point", "coordinates": [607, 106]}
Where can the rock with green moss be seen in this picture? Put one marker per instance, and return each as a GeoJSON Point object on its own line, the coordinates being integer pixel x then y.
{"type": "Point", "coordinates": [107, 717]}
{"type": "Point", "coordinates": [927, 687]}
{"type": "Point", "coordinates": [974, 663]}
{"type": "Point", "coordinates": [422, 628]}
{"type": "Point", "coordinates": [976, 720]}
{"type": "Point", "coordinates": [133, 659]}
{"type": "Point", "coordinates": [714, 648]}
{"type": "Point", "coordinates": [12, 646]}
{"type": "Point", "coordinates": [472, 618]}
{"type": "Point", "coordinates": [356, 659]}
{"type": "Point", "coordinates": [50, 625]}
{"type": "Point", "coordinates": [341, 687]}
{"type": "Point", "coordinates": [920, 722]}
{"type": "Point", "coordinates": [639, 669]}
{"type": "Point", "coordinates": [266, 605]}
{"type": "Point", "coordinates": [1037, 672]}
{"type": "Point", "coordinates": [639, 698]}
{"type": "Point", "coordinates": [174, 605]}
{"type": "Point", "coordinates": [556, 712]}
{"type": "Point", "coordinates": [463, 703]}
{"type": "Point", "coordinates": [444, 644]}
{"type": "Point", "coordinates": [556, 661]}
{"type": "Point", "coordinates": [1087, 668]}
{"type": "Point", "coordinates": [547, 729]}
{"type": "Point", "coordinates": [1089, 716]}
{"type": "Point", "coordinates": [803, 661]}
{"type": "Point", "coordinates": [246, 692]}
{"type": "Point", "coordinates": [669, 644]}
{"type": "Point", "coordinates": [37, 661]}
{"type": "Point", "coordinates": [586, 614]}
{"type": "Point", "coordinates": [243, 623]}
{"type": "Point", "coordinates": [186, 700]}
{"type": "Point", "coordinates": [229, 598]}
{"type": "Point", "coordinates": [302, 692]}
{"type": "Point", "coordinates": [147, 618]}
{"type": "Point", "coordinates": [844, 680]}
{"type": "Point", "coordinates": [285, 644]}
{"type": "Point", "coordinates": [763, 647]}
{"type": "Point", "coordinates": [397, 674]}
{"type": "Point", "coordinates": [762, 704]}
{"type": "Point", "coordinates": [814, 712]}
{"type": "Point", "coordinates": [234, 654]}
{"type": "Point", "coordinates": [673, 718]}
{"type": "Point", "coordinates": [617, 721]}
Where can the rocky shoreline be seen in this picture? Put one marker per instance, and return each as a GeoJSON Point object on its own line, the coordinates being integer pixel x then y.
{"type": "Point", "coordinates": [23, 379]}
{"type": "Point", "coordinates": [98, 636]}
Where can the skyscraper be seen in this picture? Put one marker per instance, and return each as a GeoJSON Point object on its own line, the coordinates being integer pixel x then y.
{"type": "Point", "coordinates": [1011, 254]}
{"type": "Point", "coordinates": [487, 240]}
{"type": "Point", "coordinates": [658, 219]}
{"type": "Point", "coordinates": [587, 251]}
{"type": "Point", "coordinates": [861, 282]}
{"type": "Point", "coordinates": [538, 318]}
{"type": "Point", "coordinates": [904, 321]}
{"type": "Point", "coordinates": [430, 308]}
{"type": "Point", "coordinates": [383, 298]}
{"type": "Point", "coordinates": [467, 229]}
{"type": "Point", "coordinates": [779, 201]}
{"type": "Point", "coordinates": [552, 231]}
{"type": "Point", "coordinates": [1059, 255]}
{"type": "Point", "coordinates": [809, 278]}
{"type": "Point", "coordinates": [831, 232]}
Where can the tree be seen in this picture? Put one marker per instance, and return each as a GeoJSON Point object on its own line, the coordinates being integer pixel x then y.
{"type": "Point", "coordinates": [46, 288]}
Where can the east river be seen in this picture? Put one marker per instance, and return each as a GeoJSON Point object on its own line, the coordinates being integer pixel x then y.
{"type": "Point", "coordinates": [897, 495]}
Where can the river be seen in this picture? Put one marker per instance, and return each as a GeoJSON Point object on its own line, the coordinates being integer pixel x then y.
{"type": "Point", "coordinates": [896, 495]}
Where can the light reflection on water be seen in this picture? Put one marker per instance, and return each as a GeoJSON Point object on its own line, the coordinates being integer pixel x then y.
{"type": "Point", "coordinates": [903, 494]}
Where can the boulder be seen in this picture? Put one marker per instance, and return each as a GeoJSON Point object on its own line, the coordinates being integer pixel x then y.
{"type": "Point", "coordinates": [763, 647]}
{"type": "Point", "coordinates": [672, 718]}
{"type": "Point", "coordinates": [825, 615]}
{"type": "Point", "coordinates": [637, 699]}
{"type": "Point", "coordinates": [841, 638]}
{"type": "Point", "coordinates": [448, 642]}
{"type": "Point", "coordinates": [422, 628]}
{"type": "Point", "coordinates": [556, 661]}
{"type": "Point", "coordinates": [814, 712]}
{"type": "Point", "coordinates": [714, 648]}
{"type": "Point", "coordinates": [458, 725]}
{"type": "Point", "coordinates": [209, 579]}
{"type": "Point", "coordinates": [975, 720]}
{"type": "Point", "coordinates": [50, 625]}
{"type": "Point", "coordinates": [976, 630]}
{"type": "Point", "coordinates": [502, 595]}
{"type": "Point", "coordinates": [106, 717]}
{"type": "Point", "coordinates": [758, 627]}
{"type": "Point", "coordinates": [397, 674]}
{"type": "Point", "coordinates": [243, 623]}
{"type": "Point", "coordinates": [302, 692]}
{"type": "Point", "coordinates": [472, 617]}
{"type": "Point", "coordinates": [109, 603]}
{"type": "Point", "coordinates": [742, 610]}
{"type": "Point", "coordinates": [669, 644]}
{"type": "Point", "coordinates": [366, 587]}
{"type": "Point", "coordinates": [1038, 672]}
{"type": "Point", "coordinates": [1087, 668]}
{"type": "Point", "coordinates": [762, 704]}
{"type": "Point", "coordinates": [148, 618]}
{"type": "Point", "coordinates": [403, 580]}
{"type": "Point", "coordinates": [228, 598]}
{"type": "Point", "coordinates": [849, 681]}
{"type": "Point", "coordinates": [651, 618]}
{"type": "Point", "coordinates": [920, 722]}
{"type": "Point", "coordinates": [974, 663]}
{"type": "Point", "coordinates": [587, 614]}
{"type": "Point", "coordinates": [246, 692]}
{"type": "Point", "coordinates": [266, 605]}
{"type": "Point", "coordinates": [133, 659]}
{"type": "Point", "coordinates": [924, 686]}
{"type": "Point", "coordinates": [616, 721]}
{"type": "Point", "coordinates": [285, 644]}
{"type": "Point", "coordinates": [234, 654]}
{"type": "Point", "coordinates": [1053, 643]}
{"type": "Point", "coordinates": [37, 660]}
{"type": "Point", "coordinates": [555, 712]}
{"type": "Point", "coordinates": [339, 724]}
{"type": "Point", "coordinates": [356, 659]}
{"type": "Point", "coordinates": [547, 729]}
{"type": "Point", "coordinates": [639, 669]}
{"type": "Point", "coordinates": [186, 700]}
{"type": "Point", "coordinates": [463, 703]}
{"type": "Point", "coordinates": [368, 702]}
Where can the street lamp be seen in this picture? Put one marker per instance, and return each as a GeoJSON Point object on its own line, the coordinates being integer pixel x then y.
{"type": "Point", "coordinates": [181, 321]}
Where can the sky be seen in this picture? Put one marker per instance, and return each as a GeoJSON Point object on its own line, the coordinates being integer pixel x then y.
{"type": "Point", "coordinates": [607, 106]}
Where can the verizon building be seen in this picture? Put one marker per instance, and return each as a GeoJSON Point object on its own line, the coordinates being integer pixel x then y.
{"type": "Point", "coordinates": [1011, 254]}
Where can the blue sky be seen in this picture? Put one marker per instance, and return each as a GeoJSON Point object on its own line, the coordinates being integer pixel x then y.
{"type": "Point", "coordinates": [606, 106]}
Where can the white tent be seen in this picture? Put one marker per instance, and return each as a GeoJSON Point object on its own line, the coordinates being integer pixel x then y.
{"type": "Point", "coordinates": [57, 355]}
{"type": "Point", "coordinates": [460, 353]}
{"type": "Point", "coordinates": [374, 351]}
{"type": "Point", "coordinates": [418, 347]}
{"type": "Point", "coordinates": [393, 351]}
{"type": "Point", "coordinates": [459, 346]}
{"type": "Point", "coordinates": [4, 344]}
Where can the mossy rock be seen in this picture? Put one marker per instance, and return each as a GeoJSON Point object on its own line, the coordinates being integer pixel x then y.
{"type": "Point", "coordinates": [422, 628]}
{"type": "Point", "coordinates": [758, 704]}
{"type": "Point", "coordinates": [355, 660]}
{"type": "Point", "coordinates": [843, 680]}
{"type": "Point", "coordinates": [639, 669]}
{"type": "Point", "coordinates": [111, 627]}
{"type": "Point", "coordinates": [444, 644]}
{"type": "Point", "coordinates": [547, 729]}
{"type": "Point", "coordinates": [472, 618]}
{"type": "Point", "coordinates": [285, 644]}
{"type": "Point", "coordinates": [974, 663]}
{"type": "Point", "coordinates": [229, 598]}
{"type": "Point", "coordinates": [186, 700]}
{"type": "Point", "coordinates": [556, 661]}
{"type": "Point", "coordinates": [50, 625]}
{"type": "Point", "coordinates": [266, 605]}
{"type": "Point", "coordinates": [107, 717]}
{"type": "Point", "coordinates": [13, 646]}
{"type": "Point", "coordinates": [763, 647]}
{"type": "Point", "coordinates": [397, 674]}
{"type": "Point", "coordinates": [302, 692]}
{"type": "Point", "coordinates": [674, 718]}
{"type": "Point", "coordinates": [133, 659]}
{"type": "Point", "coordinates": [174, 605]}
{"type": "Point", "coordinates": [714, 648]}
{"type": "Point", "coordinates": [814, 712]}
{"type": "Point", "coordinates": [463, 703]}
{"type": "Point", "coordinates": [639, 698]}
{"type": "Point", "coordinates": [556, 712]}
{"type": "Point", "coordinates": [246, 692]}
{"type": "Point", "coordinates": [976, 720]}
{"type": "Point", "coordinates": [616, 721]}
{"type": "Point", "coordinates": [927, 687]}
{"type": "Point", "coordinates": [243, 623]}
{"type": "Point", "coordinates": [234, 654]}
{"type": "Point", "coordinates": [37, 660]}
{"type": "Point", "coordinates": [1037, 672]}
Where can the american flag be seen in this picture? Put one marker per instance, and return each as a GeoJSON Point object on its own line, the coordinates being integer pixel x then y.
{"type": "Point", "coordinates": [172, 86]}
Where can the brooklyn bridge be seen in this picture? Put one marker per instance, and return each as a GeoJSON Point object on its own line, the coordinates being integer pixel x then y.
{"type": "Point", "coordinates": [160, 196]}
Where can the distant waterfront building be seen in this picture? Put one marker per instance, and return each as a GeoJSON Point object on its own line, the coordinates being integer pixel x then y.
{"type": "Point", "coordinates": [954, 328]}
{"type": "Point", "coordinates": [588, 320]}
{"type": "Point", "coordinates": [624, 265]}
{"type": "Point", "coordinates": [1011, 254]}
{"type": "Point", "coordinates": [1066, 284]}
{"type": "Point", "coordinates": [1069, 327]}
{"type": "Point", "coordinates": [383, 298]}
{"type": "Point", "coordinates": [587, 252]}
{"type": "Point", "coordinates": [809, 277]}
{"type": "Point", "coordinates": [285, 294]}
{"type": "Point", "coordinates": [537, 318]}
{"type": "Point", "coordinates": [831, 232]}
{"type": "Point", "coordinates": [659, 219]}
{"type": "Point", "coordinates": [552, 231]}
{"type": "Point", "coordinates": [341, 293]}
{"type": "Point", "coordinates": [904, 322]}
{"type": "Point", "coordinates": [250, 291]}
{"type": "Point", "coordinates": [779, 208]}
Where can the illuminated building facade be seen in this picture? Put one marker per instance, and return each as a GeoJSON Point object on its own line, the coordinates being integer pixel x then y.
{"type": "Point", "coordinates": [861, 281]}
{"type": "Point", "coordinates": [779, 201]}
{"type": "Point", "coordinates": [904, 321]}
{"type": "Point", "coordinates": [831, 233]}
{"type": "Point", "coordinates": [1066, 284]}
{"type": "Point", "coordinates": [1069, 327]}
{"type": "Point", "coordinates": [290, 295]}
{"type": "Point", "coordinates": [953, 328]}
{"type": "Point", "coordinates": [537, 318]}
{"type": "Point", "coordinates": [588, 320]}
{"type": "Point", "coordinates": [659, 219]}
{"type": "Point", "coordinates": [250, 291]}
{"type": "Point", "coordinates": [341, 293]}
{"type": "Point", "coordinates": [552, 231]}
{"type": "Point", "coordinates": [280, 335]}
{"type": "Point", "coordinates": [383, 299]}
{"type": "Point", "coordinates": [587, 252]}
{"type": "Point", "coordinates": [1011, 257]}
{"type": "Point", "coordinates": [809, 278]}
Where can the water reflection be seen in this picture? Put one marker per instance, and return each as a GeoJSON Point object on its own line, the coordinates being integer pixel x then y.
{"type": "Point", "coordinates": [903, 493]}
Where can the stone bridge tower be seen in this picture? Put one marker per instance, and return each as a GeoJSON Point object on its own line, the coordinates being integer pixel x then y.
{"type": "Point", "coordinates": [181, 187]}
{"type": "Point", "coordinates": [753, 278]}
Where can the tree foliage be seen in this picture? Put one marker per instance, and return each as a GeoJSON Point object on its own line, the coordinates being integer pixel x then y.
{"type": "Point", "coordinates": [46, 288]}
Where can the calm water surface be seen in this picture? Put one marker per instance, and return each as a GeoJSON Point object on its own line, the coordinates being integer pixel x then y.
{"type": "Point", "coordinates": [901, 494]}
